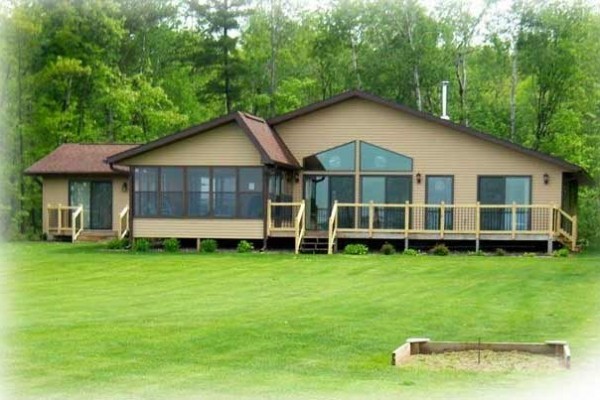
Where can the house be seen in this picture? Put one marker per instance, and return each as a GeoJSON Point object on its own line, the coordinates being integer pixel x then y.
{"type": "Point", "coordinates": [354, 166]}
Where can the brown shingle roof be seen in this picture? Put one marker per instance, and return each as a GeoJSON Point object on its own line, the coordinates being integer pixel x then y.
{"type": "Point", "coordinates": [271, 148]}
{"type": "Point", "coordinates": [72, 158]}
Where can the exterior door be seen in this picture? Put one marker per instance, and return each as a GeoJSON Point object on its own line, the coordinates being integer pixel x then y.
{"type": "Point", "coordinates": [96, 198]}
{"type": "Point", "coordinates": [439, 189]}
{"type": "Point", "coordinates": [320, 192]}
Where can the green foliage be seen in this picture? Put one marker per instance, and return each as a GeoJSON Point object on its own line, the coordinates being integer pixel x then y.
{"type": "Point", "coordinates": [171, 245]}
{"type": "Point", "coordinates": [117, 244]}
{"type": "Point", "coordinates": [356, 249]}
{"type": "Point", "coordinates": [208, 246]}
{"type": "Point", "coordinates": [500, 252]}
{"type": "Point", "coordinates": [244, 246]}
{"type": "Point", "coordinates": [440, 249]}
{"type": "Point", "coordinates": [564, 252]}
{"type": "Point", "coordinates": [387, 249]}
{"type": "Point", "coordinates": [410, 252]}
{"type": "Point", "coordinates": [529, 254]}
{"type": "Point", "coordinates": [141, 245]}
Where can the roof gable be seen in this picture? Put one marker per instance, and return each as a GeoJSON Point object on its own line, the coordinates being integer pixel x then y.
{"type": "Point", "coordinates": [270, 147]}
{"type": "Point", "coordinates": [357, 94]}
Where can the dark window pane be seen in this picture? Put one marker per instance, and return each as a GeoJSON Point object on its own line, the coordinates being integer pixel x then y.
{"type": "Point", "coordinates": [251, 205]}
{"type": "Point", "coordinates": [146, 191]}
{"type": "Point", "coordinates": [339, 158]}
{"type": "Point", "coordinates": [224, 204]}
{"type": "Point", "coordinates": [171, 184]}
{"type": "Point", "coordinates": [374, 158]}
{"type": "Point", "coordinates": [251, 179]}
{"type": "Point", "coordinates": [224, 180]}
{"type": "Point", "coordinates": [198, 186]}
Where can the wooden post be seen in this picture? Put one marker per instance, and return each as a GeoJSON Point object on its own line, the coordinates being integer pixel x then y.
{"type": "Point", "coordinates": [268, 217]}
{"type": "Point", "coordinates": [59, 218]}
{"type": "Point", "coordinates": [574, 234]}
{"type": "Point", "coordinates": [198, 244]}
{"type": "Point", "coordinates": [406, 221]}
{"type": "Point", "coordinates": [304, 214]}
{"type": "Point", "coordinates": [514, 220]}
{"type": "Point", "coordinates": [552, 224]}
{"type": "Point", "coordinates": [442, 218]}
{"type": "Point", "coordinates": [371, 216]}
{"type": "Point", "coordinates": [477, 225]}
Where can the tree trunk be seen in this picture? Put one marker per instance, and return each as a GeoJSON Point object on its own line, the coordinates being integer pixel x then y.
{"type": "Point", "coordinates": [272, 60]}
{"type": "Point", "coordinates": [20, 133]}
{"type": "Point", "coordinates": [226, 63]}
{"type": "Point", "coordinates": [513, 97]}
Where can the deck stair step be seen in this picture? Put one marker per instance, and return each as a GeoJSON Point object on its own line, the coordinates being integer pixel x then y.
{"type": "Point", "coordinates": [315, 244]}
{"type": "Point", "coordinates": [96, 235]}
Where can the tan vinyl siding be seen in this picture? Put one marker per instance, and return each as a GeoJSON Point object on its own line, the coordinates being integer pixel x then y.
{"type": "Point", "coordinates": [54, 191]}
{"type": "Point", "coordinates": [225, 145]}
{"type": "Point", "coordinates": [198, 228]}
{"type": "Point", "coordinates": [436, 150]}
{"type": "Point", "coordinates": [120, 199]}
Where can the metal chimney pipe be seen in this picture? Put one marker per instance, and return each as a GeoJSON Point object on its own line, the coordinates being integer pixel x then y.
{"type": "Point", "coordinates": [444, 100]}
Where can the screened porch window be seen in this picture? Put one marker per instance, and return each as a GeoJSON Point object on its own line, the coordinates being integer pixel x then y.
{"type": "Point", "coordinates": [198, 191]}
{"type": "Point", "coordinates": [146, 191]}
{"type": "Point", "coordinates": [171, 187]}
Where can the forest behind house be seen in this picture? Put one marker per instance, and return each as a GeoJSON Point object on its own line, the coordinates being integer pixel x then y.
{"type": "Point", "coordinates": [130, 71]}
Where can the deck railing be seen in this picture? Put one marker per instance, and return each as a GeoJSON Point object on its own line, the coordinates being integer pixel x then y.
{"type": "Point", "coordinates": [65, 220]}
{"type": "Point", "coordinates": [123, 223]}
{"type": "Point", "coordinates": [442, 219]}
{"type": "Point", "coordinates": [300, 226]}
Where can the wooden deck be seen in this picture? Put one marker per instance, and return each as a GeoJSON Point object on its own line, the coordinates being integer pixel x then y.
{"type": "Point", "coordinates": [477, 222]}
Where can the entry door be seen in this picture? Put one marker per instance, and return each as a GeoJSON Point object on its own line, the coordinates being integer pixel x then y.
{"type": "Point", "coordinates": [96, 198]}
{"type": "Point", "coordinates": [439, 189]}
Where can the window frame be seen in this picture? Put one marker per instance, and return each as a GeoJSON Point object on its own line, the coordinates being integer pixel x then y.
{"type": "Point", "coordinates": [530, 177]}
{"type": "Point", "coordinates": [381, 171]}
{"type": "Point", "coordinates": [211, 193]}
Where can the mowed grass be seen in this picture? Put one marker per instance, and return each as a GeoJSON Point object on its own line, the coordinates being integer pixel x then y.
{"type": "Point", "coordinates": [86, 322]}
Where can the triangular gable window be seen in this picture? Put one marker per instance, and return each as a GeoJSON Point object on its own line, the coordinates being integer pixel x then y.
{"type": "Point", "coordinates": [375, 158]}
{"type": "Point", "coordinates": [339, 158]}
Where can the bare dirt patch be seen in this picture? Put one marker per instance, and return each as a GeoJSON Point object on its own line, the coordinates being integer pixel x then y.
{"type": "Point", "coordinates": [488, 360]}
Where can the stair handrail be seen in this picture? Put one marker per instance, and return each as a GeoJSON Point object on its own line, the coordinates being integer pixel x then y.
{"type": "Point", "coordinates": [124, 222]}
{"type": "Point", "coordinates": [75, 232]}
{"type": "Point", "coordinates": [333, 226]}
{"type": "Point", "coordinates": [300, 226]}
{"type": "Point", "coordinates": [570, 236]}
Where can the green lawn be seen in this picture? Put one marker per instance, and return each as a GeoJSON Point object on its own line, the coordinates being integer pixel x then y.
{"type": "Point", "coordinates": [85, 322]}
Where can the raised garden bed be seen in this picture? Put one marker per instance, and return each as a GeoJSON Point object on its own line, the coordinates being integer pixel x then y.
{"type": "Point", "coordinates": [549, 355]}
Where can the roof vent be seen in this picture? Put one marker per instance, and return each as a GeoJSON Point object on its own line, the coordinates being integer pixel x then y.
{"type": "Point", "coordinates": [444, 100]}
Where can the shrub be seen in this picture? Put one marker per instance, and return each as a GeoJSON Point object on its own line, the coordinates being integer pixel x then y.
{"type": "Point", "coordinates": [117, 244]}
{"type": "Point", "coordinates": [529, 254]}
{"type": "Point", "coordinates": [245, 246]}
{"type": "Point", "coordinates": [440, 250]}
{"type": "Point", "coordinates": [208, 246]}
{"type": "Point", "coordinates": [388, 249]}
{"type": "Point", "coordinates": [500, 252]}
{"type": "Point", "coordinates": [171, 245]}
{"type": "Point", "coordinates": [356, 249]}
{"type": "Point", "coordinates": [564, 252]}
{"type": "Point", "coordinates": [410, 252]}
{"type": "Point", "coordinates": [141, 245]}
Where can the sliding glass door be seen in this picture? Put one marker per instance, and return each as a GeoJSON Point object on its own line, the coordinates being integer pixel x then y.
{"type": "Point", "coordinates": [504, 190]}
{"type": "Point", "coordinates": [96, 198]}
{"type": "Point", "coordinates": [320, 191]}
{"type": "Point", "coordinates": [385, 190]}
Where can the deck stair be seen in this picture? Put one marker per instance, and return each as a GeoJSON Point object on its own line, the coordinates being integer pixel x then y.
{"type": "Point", "coordinates": [96, 235]}
{"type": "Point", "coordinates": [314, 242]}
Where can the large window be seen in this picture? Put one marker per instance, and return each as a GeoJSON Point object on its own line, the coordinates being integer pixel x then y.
{"type": "Point", "coordinates": [385, 190]}
{"type": "Point", "coordinates": [374, 158]}
{"type": "Point", "coordinates": [439, 189]}
{"type": "Point", "coordinates": [341, 158]}
{"type": "Point", "coordinates": [209, 192]}
{"type": "Point", "coordinates": [504, 190]}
